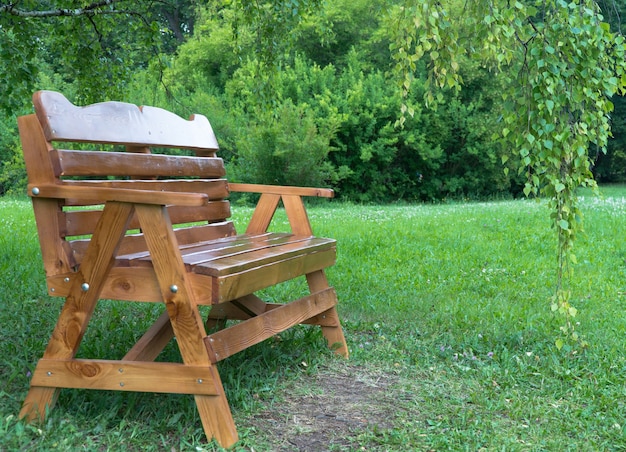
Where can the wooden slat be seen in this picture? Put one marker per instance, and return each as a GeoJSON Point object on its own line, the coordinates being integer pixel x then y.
{"type": "Point", "coordinates": [54, 252]}
{"type": "Point", "coordinates": [331, 328]}
{"type": "Point", "coordinates": [220, 246]}
{"type": "Point", "coordinates": [115, 194]}
{"type": "Point", "coordinates": [120, 123]}
{"type": "Point", "coordinates": [263, 214]}
{"type": "Point", "coordinates": [238, 337]}
{"type": "Point", "coordinates": [186, 322]}
{"type": "Point", "coordinates": [124, 376]}
{"type": "Point", "coordinates": [239, 284]}
{"type": "Point", "coordinates": [215, 189]}
{"type": "Point", "coordinates": [296, 213]}
{"type": "Point", "coordinates": [134, 244]}
{"type": "Point", "coordinates": [260, 255]}
{"type": "Point", "coordinates": [281, 190]}
{"type": "Point", "coordinates": [83, 222]}
{"type": "Point", "coordinates": [99, 163]}
{"type": "Point", "coordinates": [133, 284]}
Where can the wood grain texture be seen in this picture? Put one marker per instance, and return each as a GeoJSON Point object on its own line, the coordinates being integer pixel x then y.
{"type": "Point", "coordinates": [120, 123]}
{"type": "Point", "coordinates": [282, 190]}
{"type": "Point", "coordinates": [136, 376]}
{"type": "Point", "coordinates": [235, 286]}
{"type": "Point", "coordinates": [263, 214]}
{"type": "Point", "coordinates": [121, 195]}
{"type": "Point", "coordinates": [98, 163]}
{"type": "Point", "coordinates": [227, 342]}
{"type": "Point", "coordinates": [163, 236]}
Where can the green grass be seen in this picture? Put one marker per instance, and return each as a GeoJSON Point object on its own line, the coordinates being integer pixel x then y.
{"type": "Point", "coordinates": [452, 300]}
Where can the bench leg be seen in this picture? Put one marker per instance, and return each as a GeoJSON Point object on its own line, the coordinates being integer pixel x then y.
{"type": "Point", "coordinates": [185, 319]}
{"type": "Point", "coordinates": [331, 325]}
{"type": "Point", "coordinates": [80, 303]}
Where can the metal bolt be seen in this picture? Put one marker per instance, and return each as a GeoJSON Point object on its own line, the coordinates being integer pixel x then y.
{"type": "Point", "coordinates": [200, 380]}
{"type": "Point", "coordinates": [84, 287]}
{"type": "Point", "coordinates": [35, 191]}
{"type": "Point", "coordinates": [49, 373]}
{"type": "Point", "coordinates": [173, 288]}
{"type": "Point", "coordinates": [52, 289]}
{"type": "Point", "coordinates": [122, 384]}
{"type": "Point", "coordinates": [66, 280]}
{"type": "Point", "coordinates": [121, 370]}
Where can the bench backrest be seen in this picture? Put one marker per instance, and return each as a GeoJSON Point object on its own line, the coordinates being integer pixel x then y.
{"type": "Point", "coordinates": [68, 145]}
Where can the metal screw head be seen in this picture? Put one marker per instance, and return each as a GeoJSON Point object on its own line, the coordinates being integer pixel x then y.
{"type": "Point", "coordinates": [35, 191]}
{"type": "Point", "coordinates": [173, 288]}
{"type": "Point", "coordinates": [66, 279]}
{"type": "Point", "coordinates": [84, 287]}
{"type": "Point", "coordinates": [200, 380]}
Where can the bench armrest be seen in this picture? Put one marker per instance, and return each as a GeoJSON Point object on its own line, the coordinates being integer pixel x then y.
{"type": "Point", "coordinates": [105, 194]}
{"type": "Point", "coordinates": [271, 195]}
{"type": "Point", "coordinates": [282, 190]}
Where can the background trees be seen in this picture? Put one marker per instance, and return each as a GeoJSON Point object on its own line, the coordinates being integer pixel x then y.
{"type": "Point", "coordinates": [298, 92]}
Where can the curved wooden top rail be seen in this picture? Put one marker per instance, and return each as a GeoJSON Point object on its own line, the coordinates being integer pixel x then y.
{"type": "Point", "coordinates": [120, 123]}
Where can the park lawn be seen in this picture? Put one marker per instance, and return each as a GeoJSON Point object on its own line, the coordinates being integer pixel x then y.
{"type": "Point", "coordinates": [451, 301]}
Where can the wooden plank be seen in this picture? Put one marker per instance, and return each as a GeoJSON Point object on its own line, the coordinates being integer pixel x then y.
{"type": "Point", "coordinates": [296, 213]}
{"type": "Point", "coordinates": [120, 123]}
{"type": "Point", "coordinates": [263, 214]}
{"type": "Point", "coordinates": [134, 246]}
{"type": "Point", "coordinates": [239, 284]}
{"type": "Point", "coordinates": [115, 194]}
{"type": "Point", "coordinates": [133, 284]}
{"type": "Point", "coordinates": [80, 303]}
{"type": "Point", "coordinates": [215, 189]}
{"type": "Point", "coordinates": [281, 190]}
{"type": "Point", "coordinates": [56, 255]}
{"type": "Point", "coordinates": [99, 163]}
{"type": "Point", "coordinates": [83, 222]}
{"type": "Point", "coordinates": [238, 337]}
{"type": "Point", "coordinates": [240, 261]}
{"type": "Point", "coordinates": [331, 328]}
{"type": "Point", "coordinates": [139, 376]}
{"type": "Point", "coordinates": [185, 318]}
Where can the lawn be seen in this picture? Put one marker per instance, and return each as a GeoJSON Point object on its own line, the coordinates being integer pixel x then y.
{"type": "Point", "coordinates": [449, 304]}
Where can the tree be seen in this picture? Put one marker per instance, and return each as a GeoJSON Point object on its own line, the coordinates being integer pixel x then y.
{"type": "Point", "coordinates": [565, 64]}
{"type": "Point", "coordinates": [94, 46]}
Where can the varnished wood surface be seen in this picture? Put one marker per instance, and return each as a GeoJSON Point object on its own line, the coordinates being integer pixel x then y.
{"type": "Point", "coordinates": [135, 376]}
{"type": "Point", "coordinates": [120, 123]}
{"type": "Point", "coordinates": [99, 163]}
{"type": "Point", "coordinates": [145, 227]}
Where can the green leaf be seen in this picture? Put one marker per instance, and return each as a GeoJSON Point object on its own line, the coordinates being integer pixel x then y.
{"type": "Point", "coordinates": [559, 344]}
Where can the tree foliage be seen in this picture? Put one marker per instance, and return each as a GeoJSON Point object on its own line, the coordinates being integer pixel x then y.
{"type": "Point", "coordinates": [522, 94]}
{"type": "Point", "coordinates": [561, 65]}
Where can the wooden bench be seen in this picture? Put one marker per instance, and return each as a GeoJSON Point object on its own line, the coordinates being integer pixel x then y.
{"type": "Point", "coordinates": [126, 223]}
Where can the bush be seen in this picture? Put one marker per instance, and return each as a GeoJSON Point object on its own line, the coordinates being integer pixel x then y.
{"type": "Point", "coordinates": [284, 148]}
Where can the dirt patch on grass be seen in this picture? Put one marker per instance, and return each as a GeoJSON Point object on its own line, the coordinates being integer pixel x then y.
{"type": "Point", "coordinates": [335, 409]}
